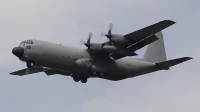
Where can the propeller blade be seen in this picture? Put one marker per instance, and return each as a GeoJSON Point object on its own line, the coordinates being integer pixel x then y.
{"type": "Point", "coordinates": [89, 37]}
{"type": "Point", "coordinates": [82, 42]}
{"type": "Point", "coordinates": [102, 34]}
{"type": "Point", "coordinates": [110, 28]}
{"type": "Point", "coordinates": [109, 35]}
{"type": "Point", "coordinates": [87, 44]}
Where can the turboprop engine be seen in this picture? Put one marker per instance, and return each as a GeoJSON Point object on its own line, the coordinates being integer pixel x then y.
{"type": "Point", "coordinates": [118, 39]}
{"type": "Point", "coordinates": [87, 65]}
{"type": "Point", "coordinates": [118, 50]}
{"type": "Point", "coordinates": [115, 38]}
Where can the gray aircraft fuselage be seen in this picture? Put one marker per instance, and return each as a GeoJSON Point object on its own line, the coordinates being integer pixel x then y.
{"type": "Point", "coordinates": [66, 58]}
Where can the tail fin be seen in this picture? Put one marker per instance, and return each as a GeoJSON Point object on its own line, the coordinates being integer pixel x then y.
{"type": "Point", "coordinates": [155, 51]}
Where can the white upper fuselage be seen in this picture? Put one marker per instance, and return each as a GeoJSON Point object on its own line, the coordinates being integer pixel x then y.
{"type": "Point", "coordinates": [64, 58]}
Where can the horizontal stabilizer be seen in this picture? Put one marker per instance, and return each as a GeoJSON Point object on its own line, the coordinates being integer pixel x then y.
{"type": "Point", "coordinates": [26, 71]}
{"type": "Point", "coordinates": [166, 64]}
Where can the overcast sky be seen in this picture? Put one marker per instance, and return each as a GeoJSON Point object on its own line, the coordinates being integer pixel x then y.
{"type": "Point", "coordinates": [66, 22]}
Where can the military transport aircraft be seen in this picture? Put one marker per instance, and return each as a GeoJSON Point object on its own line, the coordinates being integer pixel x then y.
{"type": "Point", "coordinates": [102, 60]}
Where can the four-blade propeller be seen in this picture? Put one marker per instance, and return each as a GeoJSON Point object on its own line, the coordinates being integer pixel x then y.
{"type": "Point", "coordinates": [109, 34]}
{"type": "Point", "coordinates": [87, 44]}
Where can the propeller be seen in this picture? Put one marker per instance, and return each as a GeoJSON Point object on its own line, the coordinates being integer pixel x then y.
{"type": "Point", "coordinates": [109, 35]}
{"type": "Point", "coordinates": [87, 44]}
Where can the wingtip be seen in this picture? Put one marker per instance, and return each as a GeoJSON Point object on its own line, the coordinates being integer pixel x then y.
{"type": "Point", "coordinates": [189, 58]}
{"type": "Point", "coordinates": [169, 21]}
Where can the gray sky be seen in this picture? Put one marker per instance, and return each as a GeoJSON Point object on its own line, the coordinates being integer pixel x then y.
{"type": "Point", "coordinates": [66, 22]}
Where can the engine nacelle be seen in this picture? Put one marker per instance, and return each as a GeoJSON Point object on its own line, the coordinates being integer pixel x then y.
{"type": "Point", "coordinates": [84, 64]}
{"type": "Point", "coordinates": [119, 39]}
{"type": "Point", "coordinates": [118, 50]}
{"type": "Point", "coordinates": [96, 47]}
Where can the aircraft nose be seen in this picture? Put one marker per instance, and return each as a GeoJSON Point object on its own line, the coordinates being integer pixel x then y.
{"type": "Point", "coordinates": [18, 51]}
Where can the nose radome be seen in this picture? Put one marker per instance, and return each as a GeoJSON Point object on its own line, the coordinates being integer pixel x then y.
{"type": "Point", "coordinates": [18, 51]}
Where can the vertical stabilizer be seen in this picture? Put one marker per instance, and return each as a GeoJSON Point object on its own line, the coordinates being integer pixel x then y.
{"type": "Point", "coordinates": [155, 51]}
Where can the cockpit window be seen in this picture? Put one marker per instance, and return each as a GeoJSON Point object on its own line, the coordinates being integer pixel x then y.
{"type": "Point", "coordinates": [29, 42]}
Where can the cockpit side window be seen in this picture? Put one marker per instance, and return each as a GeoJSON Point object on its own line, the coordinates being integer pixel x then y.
{"type": "Point", "coordinates": [28, 47]}
{"type": "Point", "coordinates": [23, 42]}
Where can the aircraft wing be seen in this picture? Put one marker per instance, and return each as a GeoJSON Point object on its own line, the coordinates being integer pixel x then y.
{"type": "Point", "coordinates": [48, 71]}
{"type": "Point", "coordinates": [148, 31]}
{"type": "Point", "coordinates": [140, 38]}
{"type": "Point", "coordinates": [26, 71]}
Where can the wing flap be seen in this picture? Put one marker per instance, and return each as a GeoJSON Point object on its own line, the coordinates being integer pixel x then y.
{"type": "Point", "coordinates": [143, 43]}
{"type": "Point", "coordinates": [150, 30]}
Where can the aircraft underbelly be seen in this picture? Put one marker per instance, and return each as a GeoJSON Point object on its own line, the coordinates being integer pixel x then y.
{"type": "Point", "coordinates": [127, 67]}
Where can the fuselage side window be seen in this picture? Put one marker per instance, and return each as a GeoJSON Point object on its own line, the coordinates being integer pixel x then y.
{"type": "Point", "coordinates": [28, 47]}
